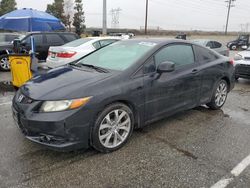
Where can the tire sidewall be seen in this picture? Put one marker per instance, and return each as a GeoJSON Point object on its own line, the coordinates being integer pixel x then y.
{"type": "Point", "coordinates": [95, 142]}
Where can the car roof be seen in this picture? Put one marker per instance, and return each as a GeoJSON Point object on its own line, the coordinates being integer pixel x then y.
{"type": "Point", "coordinates": [161, 41]}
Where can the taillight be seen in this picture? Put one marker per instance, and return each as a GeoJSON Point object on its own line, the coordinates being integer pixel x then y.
{"type": "Point", "coordinates": [231, 61]}
{"type": "Point", "coordinates": [65, 54]}
{"type": "Point", "coordinates": [49, 53]}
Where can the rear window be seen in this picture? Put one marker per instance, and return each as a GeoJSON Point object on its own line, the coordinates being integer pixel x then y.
{"type": "Point", "coordinates": [54, 39]}
{"type": "Point", "coordinates": [70, 37]}
{"type": "Point", "coordinates": [77, 42]}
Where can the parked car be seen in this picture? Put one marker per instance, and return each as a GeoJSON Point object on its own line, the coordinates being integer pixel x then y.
{"type": "Point", "coordinates": [43, 40]}
{"type": "Point", "coordinates": [241, 42]}
{"type": "Point", "coordinates": [214, 45]}
{"type": "Point", "coordinates": [61, 55]}
{"type": "Point", "coordinates": [6, 39]}
{"type": "Point", "coordinates": [242, 64]}
{"type": "Point", "coordinates": [99, 100]}
{"type": "Point", "coordinates": [122, 35]}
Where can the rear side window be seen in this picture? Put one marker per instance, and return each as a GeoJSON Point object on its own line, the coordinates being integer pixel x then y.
{"type": "Point", "coordinates": [97, 45]}
{"type": "Point", "coordinates": [106, 42]}
{"type": "Point", "coordinates": [179, 54]}
{"type": "Point", "coordinates": [70, 37]}
{"type": "Point", "coordinates": [217, 44]}
{"type": "Point", "coordinates": [204, 55]}
{"type": "Point", "coordinates": [54, 39]}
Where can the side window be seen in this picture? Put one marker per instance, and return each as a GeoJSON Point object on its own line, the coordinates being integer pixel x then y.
{"type": "Point", "coordinates": [54, 39]}
{"type": "Point", "coordinates": [217, 44]}
{"type": "Point", "coordinates": [149, 66]}
{"type": "Point", "coordinates": [97, 45]}
{"type": "Point", "coordinates": [37, 38]}
{"type": "Point", "coordinates": [210, 44]}
{"type": "Point", "coordinates": [179, 54]}
{"type": "Point", "coordinates": [10, 38]}
{"type": "Point", "coordinates": [106, 42]}
{"type": "Point", "coordinates": [204, 55]}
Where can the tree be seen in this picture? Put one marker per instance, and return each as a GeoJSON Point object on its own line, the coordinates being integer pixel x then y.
{"type": "Point", "coordinates": [7, 6]}
{"type": "Point", "coordinates": [57, 10]}
{"type": "Point", "coordinates": [79, 18]}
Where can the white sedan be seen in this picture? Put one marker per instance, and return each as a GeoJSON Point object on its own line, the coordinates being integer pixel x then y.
{"type": "Point", "coordinates": [242, 64]}
{"type": "Point", "coordinates": [62, 55]}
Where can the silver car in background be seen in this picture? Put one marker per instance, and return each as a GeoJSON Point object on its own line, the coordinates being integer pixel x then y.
{"type": "Point", "coordinates": [214, 45]}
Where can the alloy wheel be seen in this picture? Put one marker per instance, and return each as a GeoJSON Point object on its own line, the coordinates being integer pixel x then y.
{"type": "Point", "coordinates": [221, 94]}
{"type": "Point", "coordinates": [4, 63]}
{"type": "Point", "coordinates": [114, 128]}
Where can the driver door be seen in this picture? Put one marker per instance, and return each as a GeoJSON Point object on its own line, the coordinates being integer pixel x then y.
{"type": "Point", "coordinates": [168, 93]}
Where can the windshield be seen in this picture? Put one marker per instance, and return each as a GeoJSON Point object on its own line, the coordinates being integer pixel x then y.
{"type": "Point", "coordinates": [118, 56]}
{"type": "Point", "coordinates": [77, 42]}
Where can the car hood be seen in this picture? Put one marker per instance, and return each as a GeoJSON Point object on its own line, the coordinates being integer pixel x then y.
{"type": "Point", "coordinates": [63, 83]}
{"type": "Point", "coordinates": [244, 54]}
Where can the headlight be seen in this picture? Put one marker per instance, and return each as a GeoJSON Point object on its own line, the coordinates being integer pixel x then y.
{"type": "Point", "coordinates": [56, 106]}
{"type": "Point", "coordinates": [238, 57]}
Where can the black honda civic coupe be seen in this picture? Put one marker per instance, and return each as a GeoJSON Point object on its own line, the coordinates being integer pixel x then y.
{"type": "Point", "coordinates": [99, 100]}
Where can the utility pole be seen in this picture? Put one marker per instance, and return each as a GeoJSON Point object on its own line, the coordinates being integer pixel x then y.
{"type": "Point", "coordinates": [146, 18]}
{"type": "Point", "coordinates": [228, 13]}
{"type": "Point", "coordinates": [104, 21]}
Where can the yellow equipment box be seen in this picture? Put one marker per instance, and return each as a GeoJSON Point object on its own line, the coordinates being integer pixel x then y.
{"type": "Point", "coordinates": [20, 65]}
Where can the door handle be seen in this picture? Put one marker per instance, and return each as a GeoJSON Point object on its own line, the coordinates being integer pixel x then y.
{"type": "Point", "coordinates": [194, 71]}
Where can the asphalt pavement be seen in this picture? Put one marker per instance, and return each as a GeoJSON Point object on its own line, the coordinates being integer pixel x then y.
{"type": "Point", "coordinates": [195, 148]}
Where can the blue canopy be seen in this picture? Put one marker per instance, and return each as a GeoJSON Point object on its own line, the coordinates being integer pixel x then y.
{"type": "Point", "coordinates": [30, 20]}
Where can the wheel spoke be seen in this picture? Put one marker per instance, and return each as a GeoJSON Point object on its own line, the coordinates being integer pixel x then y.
{"type": "Point", "coordinates": [105, 126]}
{"type": "Point", "coordinates": [102, 137]}
{"type": "Point", "coordinates": [121, 116]}
{"type": "Point", "coordinates": [124, 128]}
{"type": "Point", "coordinates": [116, 115]}
{"type": "Point", "coordinates": [106, 143]}
{"type": "Point", "coordinates": [108, 119]}
{"type": "Point", "coordinates": [115, 139]}
{"type": "Point", "coordinates": [119, 136]}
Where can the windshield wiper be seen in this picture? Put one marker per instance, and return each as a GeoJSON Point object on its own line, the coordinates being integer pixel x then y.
{"type": "Point", "coordinates": [99, 69]}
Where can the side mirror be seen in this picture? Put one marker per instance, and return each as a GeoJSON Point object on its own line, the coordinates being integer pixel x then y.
{"type": "Point", "coordinates": [166, 66]}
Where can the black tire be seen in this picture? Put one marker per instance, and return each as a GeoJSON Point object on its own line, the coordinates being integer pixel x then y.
{"type": "Point", "coordinates": [213, 104]}
{"type": "Point", "coordinates": [95, 134]}
{"type": "Point", "coordinates": [4, 63]}
{"type": "Point", "coordinates": [233, 47]}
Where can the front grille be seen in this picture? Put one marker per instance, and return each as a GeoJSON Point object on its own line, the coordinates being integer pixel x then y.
{"type": "Point", "coordinates": [242, 69]}
{"type": "Point", "coordinates": [247, 58]}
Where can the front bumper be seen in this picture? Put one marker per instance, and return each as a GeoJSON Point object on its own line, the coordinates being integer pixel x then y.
{"type": "Point", "coordinates": [242, 71]}
{"type": "Point", "coordinates": [61, 131]}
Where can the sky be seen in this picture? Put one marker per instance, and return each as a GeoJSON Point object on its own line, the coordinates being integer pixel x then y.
{"type": "Point", "coordinates": [209, 15]}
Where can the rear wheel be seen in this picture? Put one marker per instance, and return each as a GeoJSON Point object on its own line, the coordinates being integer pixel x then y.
{"type": "Point", "coordinates": [219, 95]}
{"type": "Point", "coordinates": [233, 47]}
{"type": "Point", "coordinates": [4, 63]}
{"type": "Point", "coordinates": [113, 128]}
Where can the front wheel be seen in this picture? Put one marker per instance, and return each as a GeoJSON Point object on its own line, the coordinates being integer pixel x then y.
{"type": "Point", "coordinates": [233, 47]}
{"type": "Point", "coordinates": [113, 127]}
{"type": "Point", "coordinates": [219, 96]}
{"type": "Point", "coordinates": [4, 63]}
